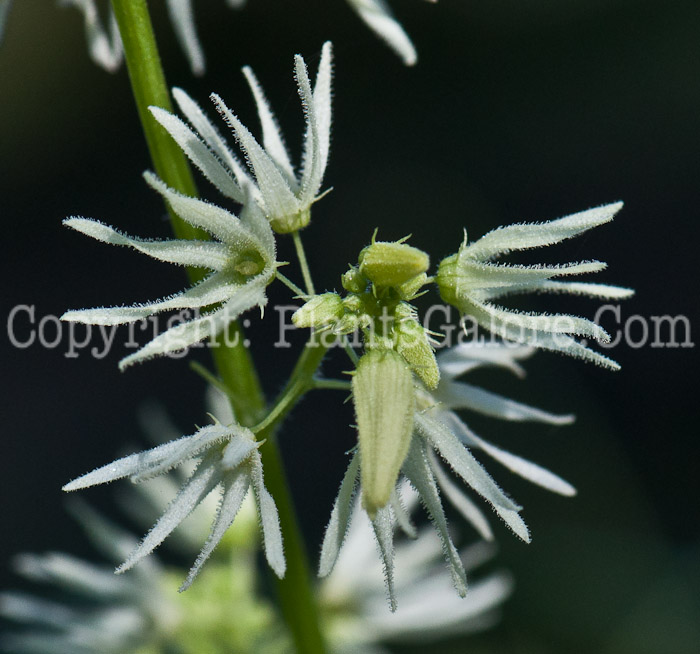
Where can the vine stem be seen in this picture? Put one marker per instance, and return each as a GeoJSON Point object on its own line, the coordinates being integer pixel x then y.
{"type": "Point", "coordinates": [232, 359]}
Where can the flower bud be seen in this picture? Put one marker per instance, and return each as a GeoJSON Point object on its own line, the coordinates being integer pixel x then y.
{"type": "Point", "coordinates": [384, 399]}
{"type": "Point", "coordinates": [392, 264]}
{"type": "Point", "coordinates": [319, 311]}
{"type": "Point", "coordinates": [413, 345]}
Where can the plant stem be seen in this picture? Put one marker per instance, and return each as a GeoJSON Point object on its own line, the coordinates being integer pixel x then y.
{"type": "Point", "coordinates": [301, 255]}
{"type": "Point", "coordinates": [232, 358]}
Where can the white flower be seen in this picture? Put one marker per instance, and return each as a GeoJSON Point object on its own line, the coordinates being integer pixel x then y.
{"type": "Point", "coordinates": [354, 595]}
{"type": "Point", "coordinates": [242, 262]}
{"type": "Point", "coordinates": [106, 614]}
{"type": "Point", "coordinates": [438, 432]}
{"type": "Point", "coordinates": [470, 280]}
{"type": "Point", "coordinates": [228, 459]}
{"type": "Point", "coordinates": [284, 196]}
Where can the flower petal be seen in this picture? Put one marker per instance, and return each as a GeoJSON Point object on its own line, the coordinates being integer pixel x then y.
{"type": "Point", "coordinates": [197, 487]}
{"type": "Point", "coordinates": [467, 467]}
{"type": "Point", "coordinates": [322, 103]}
{"type": "Point", "coordinates": [269, 518]}
{"type": "Point", "coordinates": [199, 154]}
{"type": "Point", "coordinates": [186, 334]}
{"type": "Point", "coordinates": [182, 19]}
{"type": "Point", "coordinates": [378, 17]}
{"type": "Point", "coordinates": [470, 511]}
{"type": "Point", "coordinates": [152, 462]}
{"type": "Point", "coordinates": [464, 357]}
{"type": "Point", "coordinates": [272, 137]}
{"type": "Point", "coordinates": [312, 173]}
{"type": "Point", "coordinates": [417, 469]}
{"type": "Point", "coordinates": [526, 469]}
{"type": "Point", "coordinates": [236, 486]}
{"type": "Point", "coordinates": [217, 221]}
{"type": "Point", "coordinates": [105, 49]}
{"type": "Point", "coordinates": [533, 235]}
{"type": "Point", "coordinates": [212, 290]}
{"type": "Point", "coordinates": [602, 291]}
{"type": "Point", "coordinates": [277, 195]}
{"type": "Point", "coordinates": [338, 524]}
{"type": "Point", "coordinates": [208, 131]}
{"type": "Point", "coordinates": [458, 395]}
{"type": "Point", "coordinates": [201, 254]}
{"type": "Point", "coordinates": [383, 526]}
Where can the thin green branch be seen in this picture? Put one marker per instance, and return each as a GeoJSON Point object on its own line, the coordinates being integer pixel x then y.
{"type": "Point", "coordinates": [301, 255]}
{"type": "Point", "coordinates": [332, 384]}
{"type": "Point", "coordinates": [290, 284]}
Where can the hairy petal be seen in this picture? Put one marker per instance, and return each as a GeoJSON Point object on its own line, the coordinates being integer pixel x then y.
{"type": "Point", "coordinates": [339, 522]}
{"type": "Point", "coordinates": [201, 254]}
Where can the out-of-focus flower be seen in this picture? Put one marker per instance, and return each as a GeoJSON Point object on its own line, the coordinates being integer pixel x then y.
{"type": "Point", "coordinates": [354, 597]}
{"type": "Point", "coordinates": [105, 614]}
{"type": "Point", "coordinates": [285, 197]}
{"type": "Point", "coordinates": [242, 261]}
{"type": "Point", "coordinates": [471, 281]}
{"type": "Point", "coordinates": [228, 459]}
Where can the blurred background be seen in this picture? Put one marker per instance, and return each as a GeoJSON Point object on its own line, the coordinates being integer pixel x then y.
{"type": "Point", "coordinates": [517, 111]}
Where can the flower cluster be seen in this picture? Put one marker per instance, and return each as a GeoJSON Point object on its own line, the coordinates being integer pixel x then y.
{"type": "Point", "coordinates": [242, 260]}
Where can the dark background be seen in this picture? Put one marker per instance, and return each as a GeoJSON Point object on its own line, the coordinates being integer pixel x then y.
{"type": "Point", "coordinates": [516, 111]}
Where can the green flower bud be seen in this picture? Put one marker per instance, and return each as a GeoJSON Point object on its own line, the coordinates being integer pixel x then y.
{"type": "Point", "coordinates": [413, 345]}
{"type": "Point", "coordinates": [384, 398]}
{"type": "Point", "coordinates": [353, 281]}
{"type": "Point", "coordinates": [319, 311]}
{"type": "Point", "coordinates": [392, 264]}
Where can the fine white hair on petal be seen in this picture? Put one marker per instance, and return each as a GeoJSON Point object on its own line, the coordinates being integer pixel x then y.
{"type": "Point", "coordinates": [378, 17]}
{"type": "Point", "coordinates": [533, 235]}
{"type": "Point", "coordinates": [278, 197]}
{"type": "Point", "coordinates": [236, 485]}
{"type": "Point", "coordinates": [339, 522]}
{"type": "Point", "coordinates": [269, 518]}
{"type": "Point", "coordinates": [273, 141]}
{"type": "Point", "coordinates": [417, 469]}
{"type": "Point", "coordinates": [322, 102]}
{"type": "Point", "coordinates": [210, 134]}
{"type": "Point", "coordinates": [182, 18]}
{"type": "Point", "coordinates": [383, 525]}
{"type": "Point", "coordinates": [526, 469]}
{"type": "Point", "coordinates": [184, 335]}
{"type": "Point", "coordinates": [469, 510]}
{"type": "Point", "coordinates": [471, 471]}
{"type": "Point", "coordinates": [198, 486]}
{"type": "Point", "coordinates": [201, 254]}
{"type": "Point", "coordinates": [199, 154]}
{"type": "Point", "coordinates": [312, 172]}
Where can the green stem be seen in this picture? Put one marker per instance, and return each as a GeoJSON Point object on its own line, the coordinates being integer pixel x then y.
{"type": "Point", "coordinates": [301, 255]}
{"type": "Point", "coordinates": [289, 284]}
{"type": "Point", "coordinates": [232, 358]}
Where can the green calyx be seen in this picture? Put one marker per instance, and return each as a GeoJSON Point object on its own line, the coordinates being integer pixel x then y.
{"type": "Point", "coordinates": [291, 223]}
{"type": "Point", "coordinates": [384, 398]}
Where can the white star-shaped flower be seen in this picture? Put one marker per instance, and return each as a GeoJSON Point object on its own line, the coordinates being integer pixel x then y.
{"type": "Point", "coordinates": [471, 281]}
{"type": "Point", "coordinates": [228, 459]}
{"type": "Point", "coordinates": [436, 432]}
{"type": "Point", "coordinates": [284, 196]}
{"type": "Point", "coordinates": [242, 261]}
